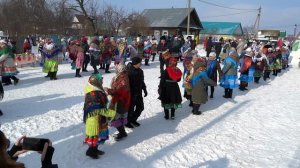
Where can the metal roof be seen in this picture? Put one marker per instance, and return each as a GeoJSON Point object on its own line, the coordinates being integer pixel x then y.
{"type": "Point", "coordinates": [222, 28]}
{"type": "Point", "coordinates": [171, 17]}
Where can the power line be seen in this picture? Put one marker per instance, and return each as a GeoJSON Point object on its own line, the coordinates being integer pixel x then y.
{"type": "Point", "coordinates": [221, 6]}
{"type": "Point", "coordinates": [230, 14]}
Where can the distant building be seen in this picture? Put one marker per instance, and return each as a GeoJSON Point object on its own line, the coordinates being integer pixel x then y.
{"type": "Point", "coordinates": [227, 30]}
{"type": "Point", "coordinates": [268, 34]}
{"type": "Point", "coordinates": [172, 21]}
{"type": "Point", "coordinates": [80, 25]}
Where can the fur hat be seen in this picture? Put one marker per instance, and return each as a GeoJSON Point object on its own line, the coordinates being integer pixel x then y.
{"type": "Point", "coordinates": [136, 60]}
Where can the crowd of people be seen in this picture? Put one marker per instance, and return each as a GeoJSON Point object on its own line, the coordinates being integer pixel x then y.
{"type": "Point", "coordinates": [243, 61]}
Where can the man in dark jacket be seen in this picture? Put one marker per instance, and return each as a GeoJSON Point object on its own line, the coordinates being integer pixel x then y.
{"type": "Point", "coordinates": [137, 85]}
{"type": "Point", "coordinates": [209, 46]}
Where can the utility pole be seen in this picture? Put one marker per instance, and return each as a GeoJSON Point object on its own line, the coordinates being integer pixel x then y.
{"type": "Point", "coordinates": [257, 22]}
{"type": "Point", "coordinates": [189, 18]}
{"type": "Point", "coordinates": [295, 31]}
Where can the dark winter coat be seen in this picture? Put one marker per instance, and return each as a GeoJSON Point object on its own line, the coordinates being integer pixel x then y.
{"type": "Point", "coordinates": [136, 80]}
{"type": "Point", "coordinates": [215, 70]}
{"type": "Point", "coordinates": [168, 90]}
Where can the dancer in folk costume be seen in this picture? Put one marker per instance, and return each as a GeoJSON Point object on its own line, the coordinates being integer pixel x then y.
{"type": "Point", "coordinates": [213, 69]}
{"type": "Point", "coordinates": [50, 54]}
{"type": "Point", "coordinates": [277, 65]}
{"type": "Point", "coordinates": [187, 81]}
{"type": "Point", "coordinates": [94, 52]}
{"type": "Point", "coordinates": [147, 51]}
{"type": "Point", "coordinates": [199, 82]}
{"type": "Point", "coordinates": [269, 67]}
{"type": "Point", "coordinates": [229, 70]}
{"type": "Point", "coordinates": [154, 48]}
{"type": "Point", "coordinates": [246, 70]}
{"type": "Point", "coordinates": [260, 62]}
{"type": "Point", "coordinates": [163, 49]}
{"type": "Point", "coordinates": [96, 115]}
{"type": "Point", "coordinates": [80, 58]}
{"type": "Point", "coordinates": [285, 57]}
{"type": "Point", "coordinates": [120, 52]}
{"type": "Point", "coordinates": [107, 54]}
{"type": "Point", "coordinates": [8, 68]}
{"type": "Point", "coordinates": [120, 92]}
{"type": "Point", "coordinates": [168, 89]}
{"type": "Point", "coordinates": [85, 46]}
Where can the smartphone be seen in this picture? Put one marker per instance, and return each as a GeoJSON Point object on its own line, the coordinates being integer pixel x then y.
{"type": "Point", "coordinates": [34, 144]}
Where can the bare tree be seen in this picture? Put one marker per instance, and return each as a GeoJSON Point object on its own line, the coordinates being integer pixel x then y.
{"type": "Point", "coordinates": [136, 24]}
{"type": "Point", "coordinates": [113, 17]}
{"type": "Point", "coordinates": [63, 16]}
{"type": "Point", "coordinates": [81, 6]}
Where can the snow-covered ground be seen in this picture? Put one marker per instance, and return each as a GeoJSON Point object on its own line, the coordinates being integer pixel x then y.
{"type": "Point", "coordinates": [258, 128]}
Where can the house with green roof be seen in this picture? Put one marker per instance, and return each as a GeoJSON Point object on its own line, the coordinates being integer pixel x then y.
{"type": "Point", "coordinates": [227, 30]}
{"type": "Point", "coordinates": [172, 21]}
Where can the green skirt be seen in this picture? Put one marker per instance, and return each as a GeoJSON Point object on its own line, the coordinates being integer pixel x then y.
{"type": "Point", "coordinates": [50, 66]}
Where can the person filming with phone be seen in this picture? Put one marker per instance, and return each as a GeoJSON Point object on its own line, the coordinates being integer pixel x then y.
{"type": "Point", "coordinates": [8, 158]}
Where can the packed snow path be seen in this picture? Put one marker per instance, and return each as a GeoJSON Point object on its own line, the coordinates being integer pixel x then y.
{"type": "Point", "coordinates": [257, 128]}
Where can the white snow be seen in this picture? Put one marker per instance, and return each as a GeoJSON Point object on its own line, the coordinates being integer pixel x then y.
{"type": "Point", "coordinates": [258, 128]}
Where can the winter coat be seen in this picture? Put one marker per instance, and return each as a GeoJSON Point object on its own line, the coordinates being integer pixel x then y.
{"type": "Point", "coordinates": [246, 64]}
{"type": "Point", "coordinates": [168, 90]}
{"type": "Point", "coordinates": [7, 62]}
{"type": "Point", "coordinates": [260, 63]}
{"type": "Point", "coordinates": [199, 94]}
{"type": "Point", "coordinates": [230, 66]}
{"type": "Point", "coordinates": [79, 59]}
{"type": "Point", "coordinates": [213, 68]}
{"type": "Point", "coordinates": [120, 92]}
{"type": "Point", "coordinates": [136, 80]}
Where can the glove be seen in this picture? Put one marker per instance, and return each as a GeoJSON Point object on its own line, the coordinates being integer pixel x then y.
{"type": "Point", "coordinates": [145, 93]}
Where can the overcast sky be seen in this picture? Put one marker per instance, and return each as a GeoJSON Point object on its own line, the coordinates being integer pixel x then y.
{"type": "Point", "coordinates": [276, 14]}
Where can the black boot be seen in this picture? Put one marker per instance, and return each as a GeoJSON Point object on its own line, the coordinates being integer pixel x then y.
{"type": "Point", "coordinates": [166, 114]}
{"type": "Point", "coordinates": [92, 152]}
{"type": "Point", "coordinates": [147, 62]}
{"type": "Point", "coordinates": [77, 73]}
{"type": "Point", "coordinates": [256, 79]}
{"type": "Point", "coordinates": [48, 75]}
{"type": "Point", "coordinates": [226, 93]}
{"type": "Point", "coordinates": [122, 133]}
{"type": "Point", "coordinates": [95, 70]}
{"type": "Point", "coordinates": [172, 113]}
{"type": "Point", "coordinates": [107, 68]}
{"type": "Point", "coordinates": [212, 90]}
{"type": "Point", "coordinates": [1, 113]}
{"type": "Point", "coordinates": [16, 80]}
{"type": "Point", "coordinates": [191, 103]}
{"type": "Point", "coordinates": [196, 109]}
{"type": "Point", "coordinates": [53, 76]}
{"type": "Point", "coordinates": [230, 93]}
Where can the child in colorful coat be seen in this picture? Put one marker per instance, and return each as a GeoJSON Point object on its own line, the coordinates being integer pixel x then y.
{"type": "Point", "coordinates": [96, 115]}
{"type": "Point", "coordinates": [199, 82]}
{"type": "Point", "coordinates": [50, 53]}
{"type": "Point", "coordinates": [79, 59]}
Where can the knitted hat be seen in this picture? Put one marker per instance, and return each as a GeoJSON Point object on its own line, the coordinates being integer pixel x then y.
{"type": "Point", "coordinates": [199, 62]}
{"type": "Point", "coordinates": [84, 39]}
{"type": "Point", "coordinates": [136, 60]}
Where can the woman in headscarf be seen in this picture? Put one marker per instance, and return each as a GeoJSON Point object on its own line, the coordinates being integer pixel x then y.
{"type": "Point", "coordinates": [96, 115]}
{"type": "Point", "coordinates": [120, 92]}
{"type": "Point", "coordinates": [229, 71]}
{"type": "Point", "coordinates": [168, 89]}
